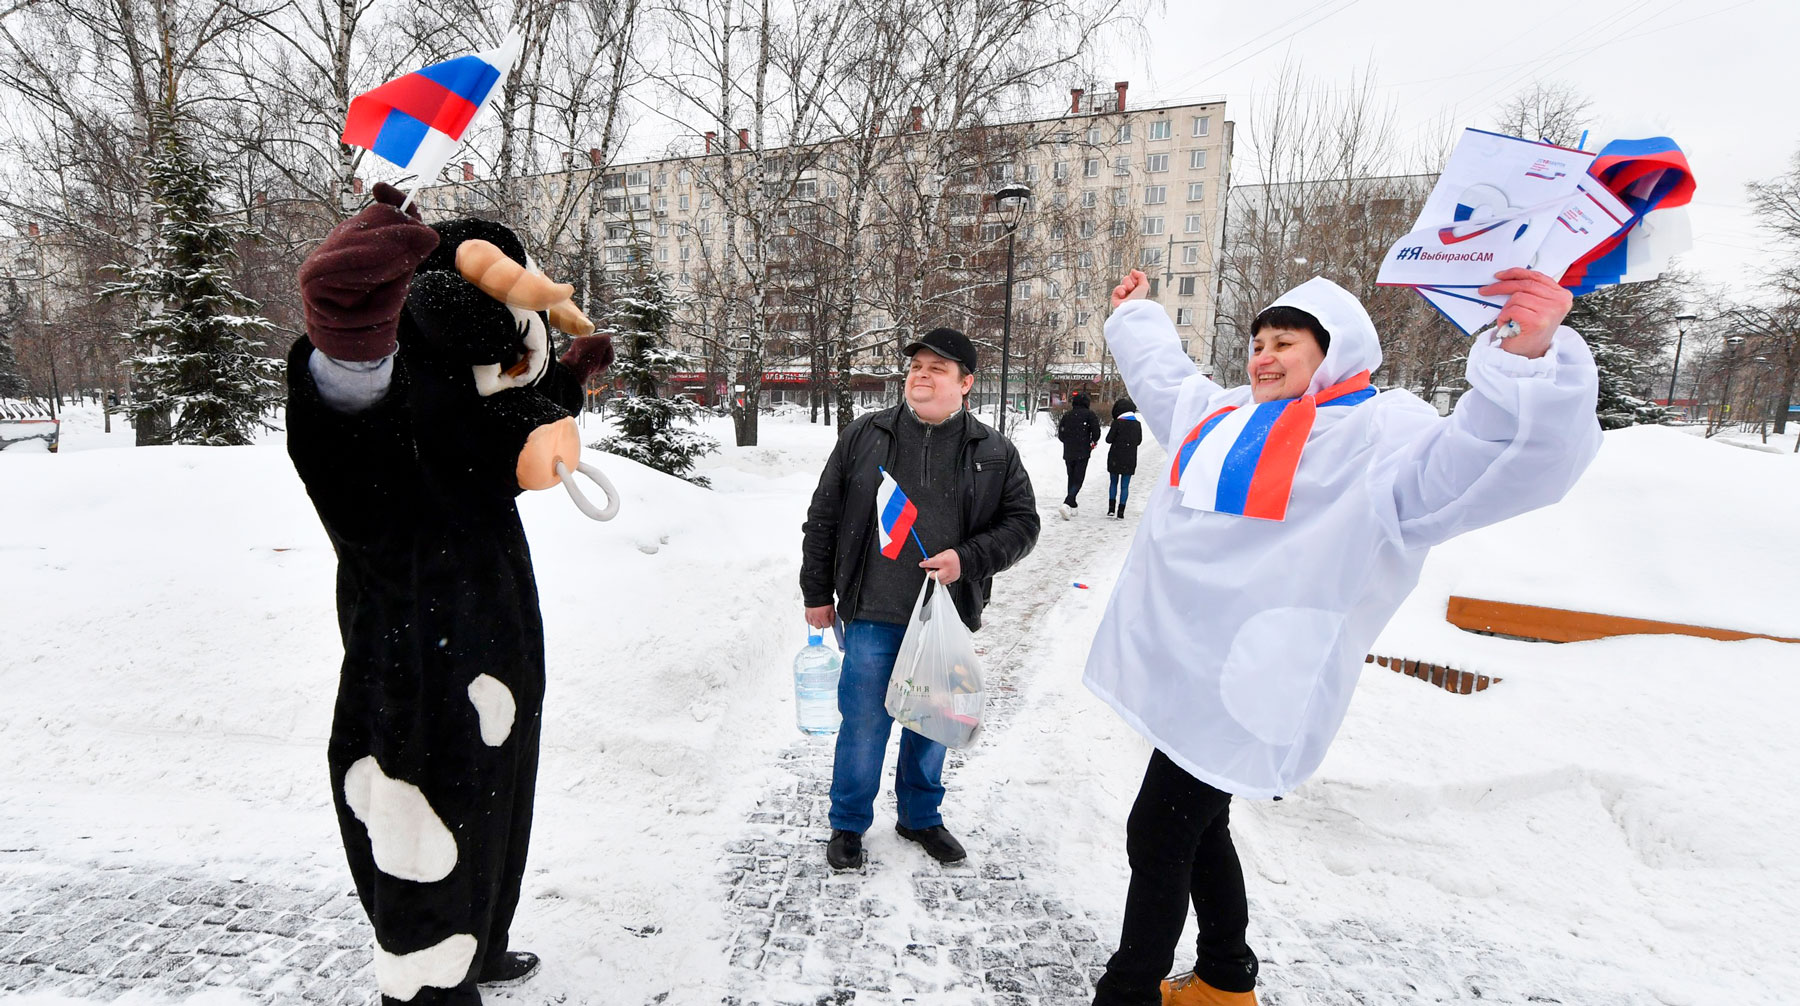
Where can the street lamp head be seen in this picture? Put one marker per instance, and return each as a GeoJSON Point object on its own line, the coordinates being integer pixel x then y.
{"type": "Point", "coordinates": [1686, 317]}
{"type": "Point", "coordinates": [1734, 341]}
{"type": "Point", "coordinates": [1011, 201]}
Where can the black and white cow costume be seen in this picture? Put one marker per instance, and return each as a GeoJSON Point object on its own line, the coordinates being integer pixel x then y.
{"type": "Point", "coordinates": [418, 405]}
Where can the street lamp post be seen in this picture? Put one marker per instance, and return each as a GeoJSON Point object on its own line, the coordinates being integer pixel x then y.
{"type": "Point", "coordinates": [1731, 347]}
{"type": "Point", "coordinates": [1681, 321]}
{"type": "Point", "coordinates": [1013, 198]}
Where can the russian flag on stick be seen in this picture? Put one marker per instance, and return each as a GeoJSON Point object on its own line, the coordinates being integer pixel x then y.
{"type": "Point", "coordinates": [894, 516]}
{"type": "Point", "coordinates": [417, 121]}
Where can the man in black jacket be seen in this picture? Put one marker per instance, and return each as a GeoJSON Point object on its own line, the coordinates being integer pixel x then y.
{"type": "Point", "coordinates": [1079, 431]}
{"type": "Point", "coordinates": [976, 515]}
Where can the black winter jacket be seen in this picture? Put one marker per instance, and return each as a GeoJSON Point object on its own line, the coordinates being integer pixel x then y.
{"type": "Point", "coordinates": [1079, 431]}
{"type": "Point", "coordinates": [999, 513]}
{"type": "Point", "coordinates": [1125, 435]}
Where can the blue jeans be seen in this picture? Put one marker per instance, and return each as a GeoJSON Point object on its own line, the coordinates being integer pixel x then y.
{"type": "Point", "coordinates": [1117, 487]}
{"type": "Point", "coordinates": [869, 652]}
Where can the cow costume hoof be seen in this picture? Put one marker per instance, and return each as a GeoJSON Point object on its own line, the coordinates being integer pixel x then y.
{"type": "Point", "coordinates": [515, 967]}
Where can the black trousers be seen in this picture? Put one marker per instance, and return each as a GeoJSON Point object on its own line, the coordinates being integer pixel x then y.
{"type": "Point", "coordinates": [1077, 475]}
{"type": "Point", "coordinates": [1179, 841]}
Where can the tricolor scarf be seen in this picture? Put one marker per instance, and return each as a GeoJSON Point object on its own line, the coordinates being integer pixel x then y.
{"type": "Point", "coordinates": [1248, 468]}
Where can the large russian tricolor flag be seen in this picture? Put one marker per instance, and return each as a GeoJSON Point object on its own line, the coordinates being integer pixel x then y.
{"type": "Point", "coordinates": [894, 516]}
{"type": "Point", "coordinates": [415, 122]}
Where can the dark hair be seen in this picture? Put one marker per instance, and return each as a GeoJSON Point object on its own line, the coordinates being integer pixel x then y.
{"type": "Point", "coordinates": [1123, 405]}
{"type": "Point", "coordinates": [1293, 319]}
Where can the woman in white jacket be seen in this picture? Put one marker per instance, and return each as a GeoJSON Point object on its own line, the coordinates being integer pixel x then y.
{"type": "Point", "coordinates": [1292, 520]}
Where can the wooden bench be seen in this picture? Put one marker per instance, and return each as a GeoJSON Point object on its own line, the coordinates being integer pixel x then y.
{"type": "Point", "coordinates": [1560, 625]}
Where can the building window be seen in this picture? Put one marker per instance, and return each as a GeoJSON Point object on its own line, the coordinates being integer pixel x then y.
{"type": "Point", "coordinates": [1055, 262]}
{"type": "Point", "coordinates": [1120, 228]}
{"type": "Point", "coordinates": [686, 280]}
{"type": "Point", "coordinates": [662, 253]}
{"type": "Point", "coordinates": [1090, 199]}
{"type": "Point", "coordinates": [1093, 135]}
{"type": "Point", "coordinates": [662, 203]}
{"type": "Point", "coordinates": [831, 189]}
{"type": "Point", "coordinates": [992, 232]}
{"type": "Point", "coordinates": [685, 252]}
{"type": "Point", "coordinates": [1082, 317]}
{"type": "Point", "coordinates": [683, 177]}
{"type": "Point", "coordinates": [1202, 125]}
{"type": "Point", "coordinates": [1054, 317]}
{"type": "Point", "coordinates": [1082, 289]}
{"type": "Point", "coordinates": [1060, 170]}
{"type": "Point", "coordinates": [1192, 226]}
{"type": "Point", "coordinates": [1196, 159]}
{"type": "Point", "coordinates": [1161, 129]}
{"type": "Point", "coordinates": [1156, 162]}
{"type": "Point", "coordinates": [1151, 256]}
{"type": "Point", "coordinates": [1024, 291]}
{"type": "Point", "coordinates": [1190, 255]}
{"type": "Point", "coordinates": [1184, 316]}
{"type": "Point", "coordinates": [1087, 228]}
{"type": "Point", "coordinates": [1153, 225]}
{"type": "Point", "coordinates": [706, 226]}
{"type": "Point", "coordinates": [1124, 132]}
{"type": "Point", "coordinates": [1078, 349]}
{"type": "Point", "coordinates": [1115, 259]}
{"type": "Point", "coordinates": [1156, 194]}
{"type": "Point", "coordinates": [1121, 165]}
{"type": "Point", "coordinates": [1184, 345]}
{"type": "Point", "coordinates": [1087, 260]}
{"type": "Point", "coordinates": [636, 178]}
{"type": "Point", "coordinates": [1121, 197]}
{"type": "Point", "coordinates": [1053, 289]}
{"type": "Point", "coordinates": [706, 200]}
{"type": "Point", "coordinates": [1091, 168]}
{"type": "Point", "coordinates": [1196, 191]}
{"type": "Point", "coordinates": [681, 201]}
{"type": "Point", "coordinates": [662, 228]}
{"type": "Point", "coordinates": [1032, 172]}
{"type": "Point", "coordinates": [1187, 283]}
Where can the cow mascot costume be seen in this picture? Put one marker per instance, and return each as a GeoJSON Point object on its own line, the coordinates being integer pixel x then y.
{"type": "Point", "coordinates": [421, 401]}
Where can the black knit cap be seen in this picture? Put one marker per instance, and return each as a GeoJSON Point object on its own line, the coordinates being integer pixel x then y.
{"type": "Point", "coordinates": [947, 343]}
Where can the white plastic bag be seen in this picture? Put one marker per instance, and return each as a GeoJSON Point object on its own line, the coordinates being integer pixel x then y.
{"type": "Point", "coordinates": [936, 689]}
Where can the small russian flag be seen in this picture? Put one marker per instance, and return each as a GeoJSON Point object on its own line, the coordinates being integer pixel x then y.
{"type": "Point", "coordinates": [894, 516]}
{"type": "Point", "coordinates": [415, 122]}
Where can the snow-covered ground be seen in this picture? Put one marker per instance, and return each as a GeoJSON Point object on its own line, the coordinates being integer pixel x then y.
{"type": "Point", "coordinates": [1615, 816]}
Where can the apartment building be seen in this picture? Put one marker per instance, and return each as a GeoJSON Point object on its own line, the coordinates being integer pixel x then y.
{"type": "Point", "coordinates": [1113, 188]}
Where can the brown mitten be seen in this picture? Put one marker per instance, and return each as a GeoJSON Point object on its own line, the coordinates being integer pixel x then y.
{"type": "Point", "coordinates": [353, 286]}
{"type": "Point", "coordinates": [587, 356]}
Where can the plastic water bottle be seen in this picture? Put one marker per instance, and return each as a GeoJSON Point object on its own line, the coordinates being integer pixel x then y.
{"type": "Point", "coordinates": [816, 686]}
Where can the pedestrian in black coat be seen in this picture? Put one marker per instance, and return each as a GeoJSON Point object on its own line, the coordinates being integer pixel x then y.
{"type": "Point", "coordinates": [1079, 431]}
{"type": "Point", "coordinates": [1125, 435]}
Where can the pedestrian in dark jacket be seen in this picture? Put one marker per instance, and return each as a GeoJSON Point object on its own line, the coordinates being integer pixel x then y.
{"type": "Point", "coordinates": [976, 515]}
{"type": "Point", "coordinates": [419, 405]}
{"type": "Point", "coordinates": [1079, 431]}
{"type": "Point", "coordinates": [1125, 434]}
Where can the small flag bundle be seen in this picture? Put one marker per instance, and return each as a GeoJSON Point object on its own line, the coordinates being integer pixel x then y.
{"type": "Point", "coordinates": [417, 121]}
{"type": "Point", "coordinates": [894, 516]}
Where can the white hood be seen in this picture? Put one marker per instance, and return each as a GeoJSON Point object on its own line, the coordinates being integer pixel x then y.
{"type": "Point", "coordinates": [1354, 346]}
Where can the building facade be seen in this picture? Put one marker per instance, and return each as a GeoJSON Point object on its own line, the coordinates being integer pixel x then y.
{"type": "Point", "coordinates": [1112, 188]}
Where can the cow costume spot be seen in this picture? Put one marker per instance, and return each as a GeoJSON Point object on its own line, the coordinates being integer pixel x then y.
{"type": "Point", "coordinates": [422, 401]}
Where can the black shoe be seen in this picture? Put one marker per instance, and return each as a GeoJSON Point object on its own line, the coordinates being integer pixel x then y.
{"type": "Point", "coordinates": [844, 851]}
{"type": "Point", "coordinates": [512, 968]}
{"type": "Point", "coordinates": [1071, 504]}
{"type": "Point", "coordinates": [1109, 508]}
{"type": "Point", "coordinates": [1121, 513]}
{"type": "Point", "coordinates": [937, 840]}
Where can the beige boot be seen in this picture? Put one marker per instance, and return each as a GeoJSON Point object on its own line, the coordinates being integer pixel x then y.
{"type": "Point", "coordinates": [1189, 990]}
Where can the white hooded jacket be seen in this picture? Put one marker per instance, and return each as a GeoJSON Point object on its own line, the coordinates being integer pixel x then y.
{"type": "Point", "coordinates": [1233, 644]}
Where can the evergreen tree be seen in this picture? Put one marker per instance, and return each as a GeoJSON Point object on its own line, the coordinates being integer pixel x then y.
{"type": "Point", "coordinates": [1617, 322]}
{"type": "Point", "coordinates": [12, 321]}
{"type": "Point", "coordinates": [195, 362]}
{"type": "Point", "coordinates": [653, 430]}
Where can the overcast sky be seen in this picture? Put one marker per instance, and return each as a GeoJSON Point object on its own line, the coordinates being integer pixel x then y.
{"type": "Point", "coordinates": [1721, 77]}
